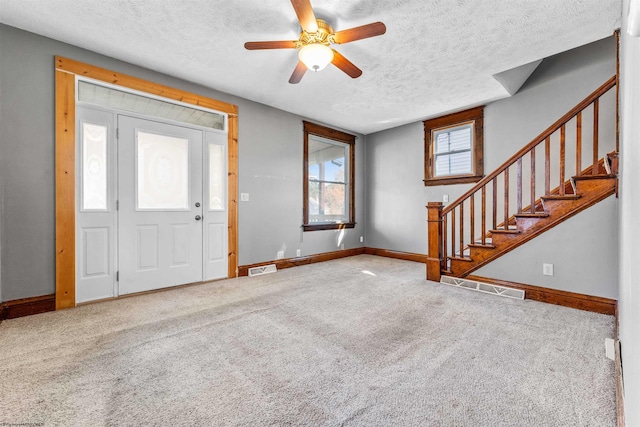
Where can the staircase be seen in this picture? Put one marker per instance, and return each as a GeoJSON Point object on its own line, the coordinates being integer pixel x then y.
{"type": "Point", "coordinates": [490, 220]}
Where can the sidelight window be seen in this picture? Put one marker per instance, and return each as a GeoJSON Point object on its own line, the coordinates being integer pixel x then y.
{"type": "Point", "coordinates": [94, 167]}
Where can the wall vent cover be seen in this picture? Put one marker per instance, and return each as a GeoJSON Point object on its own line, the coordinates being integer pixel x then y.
{"type": "Point", "coordinates": [501, 291]}
{"type": "Point", "coordinates": [265, 269]}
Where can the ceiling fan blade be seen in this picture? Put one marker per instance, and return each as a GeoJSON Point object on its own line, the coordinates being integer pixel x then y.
{"type": "Point", "coordinates": [298, 73]}
{"type": "Point", "coordinates": [359, 33]}
{"type": "Point", "coordinates": [282, 44]}
{"type": "Point", "coordinates": [345, 65]}
{"type": "Point", "coordinates": [305, 15]}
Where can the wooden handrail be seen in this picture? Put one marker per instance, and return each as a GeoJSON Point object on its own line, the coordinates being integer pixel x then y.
{"type": "Point", "coordinates": [537, 140]}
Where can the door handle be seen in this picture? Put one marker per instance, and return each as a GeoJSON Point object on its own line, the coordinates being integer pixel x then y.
{"type": "Point", "coordinates": [198, 217]}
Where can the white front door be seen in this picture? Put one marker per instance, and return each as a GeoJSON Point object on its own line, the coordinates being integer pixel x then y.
{"type": "Point", "coordinates": [160, 210]}
{"type": "Point", "coordinates": [151, 206]}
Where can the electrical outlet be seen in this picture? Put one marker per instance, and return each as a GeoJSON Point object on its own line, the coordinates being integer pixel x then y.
{"type": "Point", "coordinates": [280, 255]}
{"type": "Point", "coordinates": [244, 197]}
{"type": "Point", "coordinates": [445, 198]}
{"type": "Point", "coordinates": [342, 246]}
{"type": "Point", "coordinates": [361, 239]}
{"type": "Point", "coordinates": [298, 252]}
{"type": "Point", "coordinates": [610, 348]}
{"type": "Point", "coordinates": [547, 269]}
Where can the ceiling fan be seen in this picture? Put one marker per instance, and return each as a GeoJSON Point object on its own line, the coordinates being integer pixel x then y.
{"type": "Point", "coordinates": [315, 40]}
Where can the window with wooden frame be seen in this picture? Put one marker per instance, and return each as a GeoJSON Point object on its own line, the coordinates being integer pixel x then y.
{"type": "Point", "coordinates": [453, 148]}
{"type": "Point", "coordinates": [328, 178]}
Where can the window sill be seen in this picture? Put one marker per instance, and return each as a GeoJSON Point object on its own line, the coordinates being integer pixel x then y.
{"type": "Point", "coordinates": [328, 226]}
{"type": "Point", "coordinates": [452, 180]}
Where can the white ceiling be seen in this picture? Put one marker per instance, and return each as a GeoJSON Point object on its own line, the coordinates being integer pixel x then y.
{"type": "Point", "coordinates": [437, 55]}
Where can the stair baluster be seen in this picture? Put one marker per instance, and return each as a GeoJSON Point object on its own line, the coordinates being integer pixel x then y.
{"type": "Point", "coordinates": [532, 155]}
{"type": "Point", "coordinates": [596, 116]}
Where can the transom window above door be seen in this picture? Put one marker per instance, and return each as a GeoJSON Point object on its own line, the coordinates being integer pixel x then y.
{"type": "Point", "coordinates": [110, 97]}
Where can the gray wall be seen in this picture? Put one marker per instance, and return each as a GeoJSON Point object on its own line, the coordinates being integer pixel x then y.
{"type": "Point", "coordinates": [270, 156]}
{"type": "Point", "coordinates": [629, 302]}
{"type": "Point", "coordinates": [591, 233]}
{"type": "Point", "coordinates": [270, 168]}
{"type": "Point", "coordinates": [396, 196]}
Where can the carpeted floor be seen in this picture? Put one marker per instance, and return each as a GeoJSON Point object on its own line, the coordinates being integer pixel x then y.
{"type": "Point", "coordinates": [361, 341]}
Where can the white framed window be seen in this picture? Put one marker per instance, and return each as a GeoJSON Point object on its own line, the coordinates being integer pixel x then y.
{"type": "Point", "coordinates": [453, 155]}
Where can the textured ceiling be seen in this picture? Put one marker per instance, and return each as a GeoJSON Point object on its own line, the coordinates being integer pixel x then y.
{"type": "Point", "coordinates": [437, 55]}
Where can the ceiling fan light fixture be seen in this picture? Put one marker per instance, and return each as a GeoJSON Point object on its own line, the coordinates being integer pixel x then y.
{"type": "Point", "coordinates": [315, 56]}
{"type": "Point", "coordinates": [315, 40]}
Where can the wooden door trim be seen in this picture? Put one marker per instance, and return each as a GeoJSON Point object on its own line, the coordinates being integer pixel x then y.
{"type": "Point", "coordinates": [65, 134]}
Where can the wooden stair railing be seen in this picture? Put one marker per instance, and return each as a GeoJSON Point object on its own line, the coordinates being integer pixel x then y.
{"type": "Point", "coordinates": [490, 219]}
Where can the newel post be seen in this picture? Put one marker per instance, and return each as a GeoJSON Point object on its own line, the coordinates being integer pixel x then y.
{"type": "Point", "coordinates": [435, 260]}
